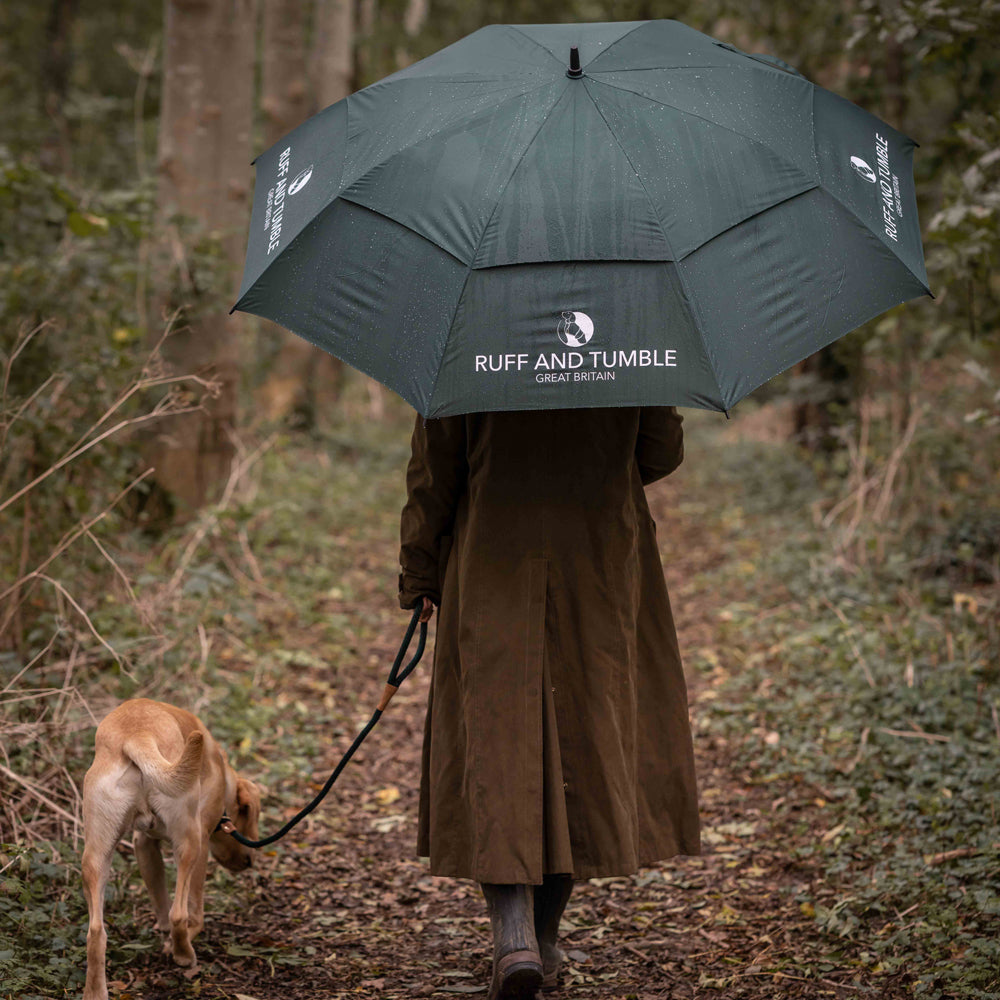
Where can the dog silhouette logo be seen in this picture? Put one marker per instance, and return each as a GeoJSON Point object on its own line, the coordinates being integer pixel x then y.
{"type": "Point", "coordinates": [862, 169]}
{"type": "Point", "coordinates": [575, 329]}
{"type": "Point", "coordinates": [300, 180]}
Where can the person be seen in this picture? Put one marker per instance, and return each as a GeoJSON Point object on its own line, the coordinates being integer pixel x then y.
{"type": "Point", "coordinates": [556, 744]}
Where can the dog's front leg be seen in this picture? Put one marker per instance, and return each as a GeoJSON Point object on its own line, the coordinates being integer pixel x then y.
{"type": "Point", "coordinates": [192, 859]}
{"type": "Point", "coordinates": [150, 860]}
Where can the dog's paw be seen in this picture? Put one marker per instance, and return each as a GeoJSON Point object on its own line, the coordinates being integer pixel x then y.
{"type": "Point", "coordinates": [182, 953]}
{"type": "Point", "coordinates": [192, 972]}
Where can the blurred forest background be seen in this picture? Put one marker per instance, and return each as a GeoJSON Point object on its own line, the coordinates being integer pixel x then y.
{"type": "Point", "coordinates": [142, 428]}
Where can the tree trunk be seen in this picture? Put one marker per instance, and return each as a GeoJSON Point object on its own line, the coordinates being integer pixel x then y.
{"type": "Point", "coordinates": [284, 97]}
{"type": "Point", "coordinates": [302, 379]}
{"type": "Point", "coordinates": [413, 22]}
{"type": "Point", "coordinates": [55, 153]}
{"type": "Point", "coordinates": [331, 61]}
{"type": "Point", "coordinates": [204, 177]}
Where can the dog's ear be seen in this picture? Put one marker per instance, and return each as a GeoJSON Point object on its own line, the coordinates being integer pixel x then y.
{"type": "Point", "coordinates": [247, 795]}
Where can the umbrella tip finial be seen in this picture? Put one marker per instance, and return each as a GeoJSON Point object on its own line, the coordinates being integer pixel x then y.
{"type": "Point", "coordinates": [574, 70]}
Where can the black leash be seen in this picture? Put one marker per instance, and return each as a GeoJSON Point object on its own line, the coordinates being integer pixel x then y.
{"type": "Point", "coordinates": [396, 677]}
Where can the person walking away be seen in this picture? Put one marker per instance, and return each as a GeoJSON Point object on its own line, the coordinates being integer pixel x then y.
{"type": "Point", "coordinates": [556, 743]}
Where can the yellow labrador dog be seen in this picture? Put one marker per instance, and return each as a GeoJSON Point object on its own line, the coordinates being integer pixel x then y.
{"type": "Point", "coordinates": [158, 771]}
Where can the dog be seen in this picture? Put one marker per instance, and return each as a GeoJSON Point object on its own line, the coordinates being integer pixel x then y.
{"type": "Point", "coordinates": [158, 771]}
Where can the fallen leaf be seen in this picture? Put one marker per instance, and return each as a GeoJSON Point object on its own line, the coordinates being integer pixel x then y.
{"type": "Point", "coordinates": [386, 824]}
{"type": "Point", "coordinates": [386, 796]}
{"type": "Point", "coordinates": [830, 834]}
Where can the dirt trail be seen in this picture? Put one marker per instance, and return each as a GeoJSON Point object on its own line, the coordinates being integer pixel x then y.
{"type": "Point", "coordinates": [348, 900]}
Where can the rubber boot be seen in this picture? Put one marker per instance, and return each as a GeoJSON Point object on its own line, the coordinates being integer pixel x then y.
{"type": "Point", "coordinates": [551, 898]}
{"type": "Point", "coordinates": [517, 966]}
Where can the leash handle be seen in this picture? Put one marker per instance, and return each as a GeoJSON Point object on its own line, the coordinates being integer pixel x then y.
{"type": "Point", "coordinates": [396, 677]}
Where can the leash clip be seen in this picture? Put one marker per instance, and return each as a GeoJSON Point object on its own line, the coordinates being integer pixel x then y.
{"type": "Point", "coordinates": [225, 824]}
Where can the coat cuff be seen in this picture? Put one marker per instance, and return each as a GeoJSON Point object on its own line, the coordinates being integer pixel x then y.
{"type": "Point", "coordinates": [412, 590]}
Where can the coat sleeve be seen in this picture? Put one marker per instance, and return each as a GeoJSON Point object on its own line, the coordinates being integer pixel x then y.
{"type": "Point", "coordinates": [659, 446]}
{"type": "Point", "coordinates": [435, 481]}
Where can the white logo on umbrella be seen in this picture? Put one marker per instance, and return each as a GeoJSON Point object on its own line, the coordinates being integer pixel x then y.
{"type": "Point", "coordinates": [862, 169]}
{"type": "Point", "coordinates": [575, 329]}
{"type": "Point", "coordinates": [300, 180]}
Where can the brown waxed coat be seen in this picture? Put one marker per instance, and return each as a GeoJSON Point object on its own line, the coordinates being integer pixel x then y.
{"type": "Point", "coordinates": [557, 735]}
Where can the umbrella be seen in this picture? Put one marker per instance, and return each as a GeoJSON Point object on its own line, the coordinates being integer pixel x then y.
{"type": "Point", "coordinates": [553, 216]}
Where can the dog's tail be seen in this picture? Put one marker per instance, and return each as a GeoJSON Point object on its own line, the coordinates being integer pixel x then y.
{"type": "Point", "coordinates": [169, 777]}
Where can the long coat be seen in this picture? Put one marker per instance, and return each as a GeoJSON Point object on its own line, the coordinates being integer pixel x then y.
{"type": "Point", "coordinates": [557, 735]}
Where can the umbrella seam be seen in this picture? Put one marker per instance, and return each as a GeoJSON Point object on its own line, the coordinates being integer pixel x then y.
{"type": "Point", "coordinates": [399, 77]}
{"type": "Point", "coordinates": [443, 78]}
{"type": "Point", "coordinates": [654, 69]}
{"type": "Point", "coordinates": [434, 134]}
{"type": "Point", "coordinates": [447, 339]}
{"type": "Point", "coordinates": [764, 59]}
{"type": "Point", "coordinates": [408, 228]}
{"type": "Point", "coordinates": [813, 186]}
{"type": "Point", "coordinates": [840, 201]}
{"type": "Point", "coordinates": [555, 58]}
{"type": "Point", "coordinates": [693, 114]}
{"type": "Point", "coordinates": [641, 24]}
{"type": "Point", "coordinates": [695, 317]}
{"type": "Point", "coordinates": [340, 194]}
{"type": "Point", "coordinates": [864, 225]}
{"type": "Point", "coordinates": [471, 265]}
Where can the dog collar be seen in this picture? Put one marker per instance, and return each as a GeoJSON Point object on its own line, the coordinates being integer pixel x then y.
{"type": "Point", "coordinates": [225, 824]}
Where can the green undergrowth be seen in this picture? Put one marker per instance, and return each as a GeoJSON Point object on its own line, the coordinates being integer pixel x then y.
{"type": "Point", "coordinates": [861, 696]}
{"type": "Point", "coordinates": [866, 697]}
{"type": "Point", "coordinates": [43, 925]}
{"type": "Point", "coordinates": [270, 640]}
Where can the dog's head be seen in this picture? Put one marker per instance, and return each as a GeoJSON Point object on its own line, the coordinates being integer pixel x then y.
{"type": "Point", "coordinates": [228, 851]}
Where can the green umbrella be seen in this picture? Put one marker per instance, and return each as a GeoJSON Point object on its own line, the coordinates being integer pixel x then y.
{"type": "Point", "coordinates": [551, 216]}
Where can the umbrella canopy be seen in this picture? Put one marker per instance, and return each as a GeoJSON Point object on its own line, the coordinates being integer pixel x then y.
{"type": "Point", "coordinates": [660, 220]}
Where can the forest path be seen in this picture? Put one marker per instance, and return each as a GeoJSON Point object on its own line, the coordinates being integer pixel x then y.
{"type": "Point", "coordinates": [343, 908]}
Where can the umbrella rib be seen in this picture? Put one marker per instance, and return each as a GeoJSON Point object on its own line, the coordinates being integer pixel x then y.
{"type": "Point", "coordinates": [470, 267]}
{"type": "Point", "coordinates": [654, 69]}
{"type": "Point", "coordinates": [492, 109]}
{"type": "Point", "coordinates": [867, 228]}
{"type": "Point", "coordinates": [514, 27]}
{"type": "Point", "coordinates": [694, 114]}
{"type": "Point", "coordinates": [523, 34]}
{"type": "Point", "coordinates": [695, 319]}
{"type": "Point", "coordinates": [600, 55]}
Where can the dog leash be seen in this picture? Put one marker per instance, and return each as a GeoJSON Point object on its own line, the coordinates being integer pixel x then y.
{"type": "Point", "coordinates": [396, 677]}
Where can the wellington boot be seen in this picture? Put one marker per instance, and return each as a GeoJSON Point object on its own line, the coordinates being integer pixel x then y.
{"type": "Point", "coordinates": [551, 898]}
{"type": "Point", "coordinates": [517, 966]}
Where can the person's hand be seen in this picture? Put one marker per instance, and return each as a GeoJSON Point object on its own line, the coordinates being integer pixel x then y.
{"type": "Point", "coordinates": [425, 615]}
